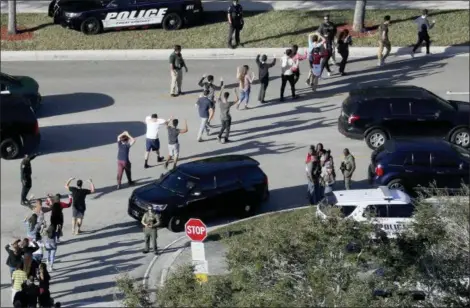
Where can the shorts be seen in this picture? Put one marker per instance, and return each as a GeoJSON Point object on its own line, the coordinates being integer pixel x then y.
{"type": "Point", "coordinates": [316, 70]}
{"type": "Point", "coordinates": [174, 150]}
{"type": "Point", "coordinates": [77, 214]}
{"type": "Point", "coordinates": [152, 145]}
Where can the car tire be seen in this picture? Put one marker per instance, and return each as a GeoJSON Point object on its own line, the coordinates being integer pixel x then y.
{"type": "Point", "coordinates": [91, 26]}
{"type": "Point", "coordinates": [172, 21]}
{"type": "Point", "coordinates": [397, 184]}
{"type": "Point", "coordinates": [376, 138]}
{"type": "Point", "coordinates": [176, 224]}
{"type": "Point", "coordinates": [461, 137]}
{"type": "Point", "coordinates": [9, 149]}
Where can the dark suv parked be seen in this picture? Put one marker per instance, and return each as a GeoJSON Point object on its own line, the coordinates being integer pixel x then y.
{"type": "Point", "coordinates": [19, 127]}
{"type": "Point", "coordinates": [231, 184]}
{"type": "Point", "coordinates": [407, 164]}
{"type": "Point", "coordinates": [22, 86]}
{"type": "Point", "coordinates": [377, 114]}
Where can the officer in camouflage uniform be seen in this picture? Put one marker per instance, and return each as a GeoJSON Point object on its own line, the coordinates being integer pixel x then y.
{"type": "Point", "coordinates": [151, 221]}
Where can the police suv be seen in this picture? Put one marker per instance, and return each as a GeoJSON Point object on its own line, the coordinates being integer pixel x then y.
{"type": "Point", "coordinates": [94, 16]}
{"type": "Point", "coordinates": [389, 210]}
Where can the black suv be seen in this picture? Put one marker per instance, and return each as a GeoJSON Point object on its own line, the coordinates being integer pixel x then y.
{"type": "Point", "coordinates": [231, 184]}
{"type": "Point", "coordinates": [19, 127]}
{"type": "Point", "coordinates": [377, 114]}
{"type": "Point", "coordinates": [408, 164]}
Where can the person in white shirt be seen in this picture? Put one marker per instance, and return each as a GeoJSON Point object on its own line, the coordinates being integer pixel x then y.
{"type": "Point", "coordinates": [423, 34]}
{"type": "Point", "coordinates": [152, 142]}
{"type": "Point", "coordinates": [288, 66]}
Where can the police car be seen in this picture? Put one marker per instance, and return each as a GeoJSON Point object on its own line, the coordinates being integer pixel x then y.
{"type": "Point", "coordinates": [94, 16]}
{"type": "Point", "coordinates": [389, 210]}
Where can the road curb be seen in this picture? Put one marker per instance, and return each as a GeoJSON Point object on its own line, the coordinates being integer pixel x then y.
{"type": "Point", "coordinates": [200, 54]}
{"type": "Point", "coordinates": [186, 241]}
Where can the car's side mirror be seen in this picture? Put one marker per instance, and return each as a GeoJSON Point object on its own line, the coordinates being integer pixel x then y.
{"type": "Point", "coordinates": [5, 92]}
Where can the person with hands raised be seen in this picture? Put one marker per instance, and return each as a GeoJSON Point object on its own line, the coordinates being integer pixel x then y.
{"type": "Point", "coordinates": [78, 205]}
{"type": "Point", "coordinates": [125, 141]}
{"type": "Point", "coordinates": [211, 87]}
{"type": "Point", "coordinates": [263, 75]}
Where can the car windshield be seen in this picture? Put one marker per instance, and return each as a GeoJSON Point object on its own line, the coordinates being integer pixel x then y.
{"type": "Point", "coordinates": [444, 103]}
{"type": "Point", "coordinates": [8, 77]}
{"type": "Point", "coordinates": [178, 182]}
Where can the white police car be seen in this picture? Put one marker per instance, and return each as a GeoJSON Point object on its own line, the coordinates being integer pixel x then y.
{"type": "Point", "coordinates": [389, 210]}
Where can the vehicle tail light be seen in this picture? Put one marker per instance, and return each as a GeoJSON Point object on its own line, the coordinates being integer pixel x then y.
{"type": "Point", "coordinates": [352, 119]}
{"type": "Point", "coordinates": [379, 171]}
{"type": "Point", "coordinates": [36, 128]}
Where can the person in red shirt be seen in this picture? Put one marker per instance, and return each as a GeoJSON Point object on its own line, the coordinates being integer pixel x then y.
{"type": "Point", "coordinates": [319, 55]}
{"type": "Point", "coordinates": [57, 217]}
{"type": "Point", "coordinates": [297, 57]}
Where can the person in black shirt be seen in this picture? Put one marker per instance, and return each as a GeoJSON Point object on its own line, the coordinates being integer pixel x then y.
{"type": "Point", "coordinates": [263, 75]}
{"type": "Point", "coordinates": [344, 41]}
{"type": "Point", "coordinates": [328, 31]}
{"type": "Point", "coordinates": [32, 292]}
{"type": "Point", "coordinates": [125, 141]}
{"type": "Point", "coordinates": [236, 22]}
{"type": "Point", "coordinates": [78, 205]}
{"type": "Point", "coordinates": [26, 181]}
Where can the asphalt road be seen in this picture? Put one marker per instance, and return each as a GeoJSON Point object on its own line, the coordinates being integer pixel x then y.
{"type": "Point", "coordinates": [87, 104]}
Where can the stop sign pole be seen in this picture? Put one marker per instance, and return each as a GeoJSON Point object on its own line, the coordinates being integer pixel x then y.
{"type": "Point", "coordinates": [196, 231]}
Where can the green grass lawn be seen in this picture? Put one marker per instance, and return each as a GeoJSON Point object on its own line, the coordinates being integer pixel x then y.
{"type": "Point", "coordinates": [268, 29]}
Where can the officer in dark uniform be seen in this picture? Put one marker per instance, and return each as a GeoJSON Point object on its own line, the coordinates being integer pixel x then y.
{"type": "Point", "coordinates": [235, 20]}
{"type": "Point", "coordinates": [151, 221]}
{"type": "Point", "coordinates": [26, 180]}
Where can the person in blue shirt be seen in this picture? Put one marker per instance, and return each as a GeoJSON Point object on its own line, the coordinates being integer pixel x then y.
{"type": "Point", "coordinates": [125, 141]}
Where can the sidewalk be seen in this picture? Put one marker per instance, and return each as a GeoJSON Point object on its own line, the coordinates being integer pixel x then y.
{"type": "Point", "coordinates": [205, 54]}
{"type": "Point", "coordinates": [32, 6]}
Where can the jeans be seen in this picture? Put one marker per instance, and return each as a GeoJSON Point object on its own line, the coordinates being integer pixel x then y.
{"type": "Point", "coordinates": [124, 166]}
{"type": "Point", "coordinates": [202, 127]}
{"type": "Point", "coordinates": [225, 127]}
{"type": "Point", "coordinates": [284, 80]}
{"type": "Point", "coordinates": [25, 190]}
{"type": "Point", "coordinates": [344, 54]}
{"type": "Point", "coordinates": [38, 257]}
{"type": "Point", "coordinates": [387, 45]}
{"type": "Point", "coordinates": [12, 269]}
{"type": "Point", "coordinates": [422, 36]}
{"type": "Point", "coordinates": [51, 256]}
{"type": "Point", "coordinates": [315, 192]}
{"type": "Point", "coordinates": [327, 189]}
{"type": "Point", "coordinates": [245, 95]}
{"type": "Point", "coordinates": [262, 89]}
{"type": "Point", "coordinates": [233, 30]}
{"type": "Point", "coordinates": [325, 61]}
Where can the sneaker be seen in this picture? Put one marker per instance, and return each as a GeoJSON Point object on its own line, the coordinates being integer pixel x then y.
{"type": "Point", "coordinates": [145, 251]}
{"type": "Point", "coordinates": [329, 74]}
{"type": "Point", "coordinates": [57, 241]}
{"type": "Point", "coordinates": [146, 166]}
{"type": "Point", "coordinates": [412, 54]}
{"type": "Point", "coordinates": [199, 140]}
{"type": "Point", "coordinates": [219, 139]}
{"type": "Point", "coordinates": [173, 95]}
{"type": "Point", "coordinates": [226, 140]}
{"type": "Point", "coordinates": [160, 159]}
{"type": "Point", "coordinates": [246, 107]}
{"type": "Point", "coordinates": [208, 132]}
{"type": "Point", "coordinates": [131, 183]}
{"type": "Point", "coordinates": [118, 186]}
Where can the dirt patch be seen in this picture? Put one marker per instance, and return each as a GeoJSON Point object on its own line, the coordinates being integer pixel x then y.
{"type": "Point", "coordinates": [21, 35]}
{"type": "Point", "coordinates": [367, 32]}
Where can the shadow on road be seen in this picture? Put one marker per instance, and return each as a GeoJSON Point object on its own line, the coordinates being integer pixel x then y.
{"type": "Point", "coordinates": [53, 105]}
{"type": "Point", "coordinates": [74, 137]}
{"type": "Point", "coordinates": [102, 191]}
{"type": "Point", "coordinates": [254, 148]}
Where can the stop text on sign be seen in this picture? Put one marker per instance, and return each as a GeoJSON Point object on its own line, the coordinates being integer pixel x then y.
{"type": "Point", "coordinates": [195, 230]}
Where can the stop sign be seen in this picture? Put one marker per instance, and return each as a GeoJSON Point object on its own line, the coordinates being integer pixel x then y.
{"type": "Point", "coordinates": [196, 230]}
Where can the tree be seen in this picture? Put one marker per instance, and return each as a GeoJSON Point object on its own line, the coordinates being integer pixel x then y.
{"type": "Point", "coordinates": [12, 17]}
{"type": "Point", "coordinates": [359, 15]}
